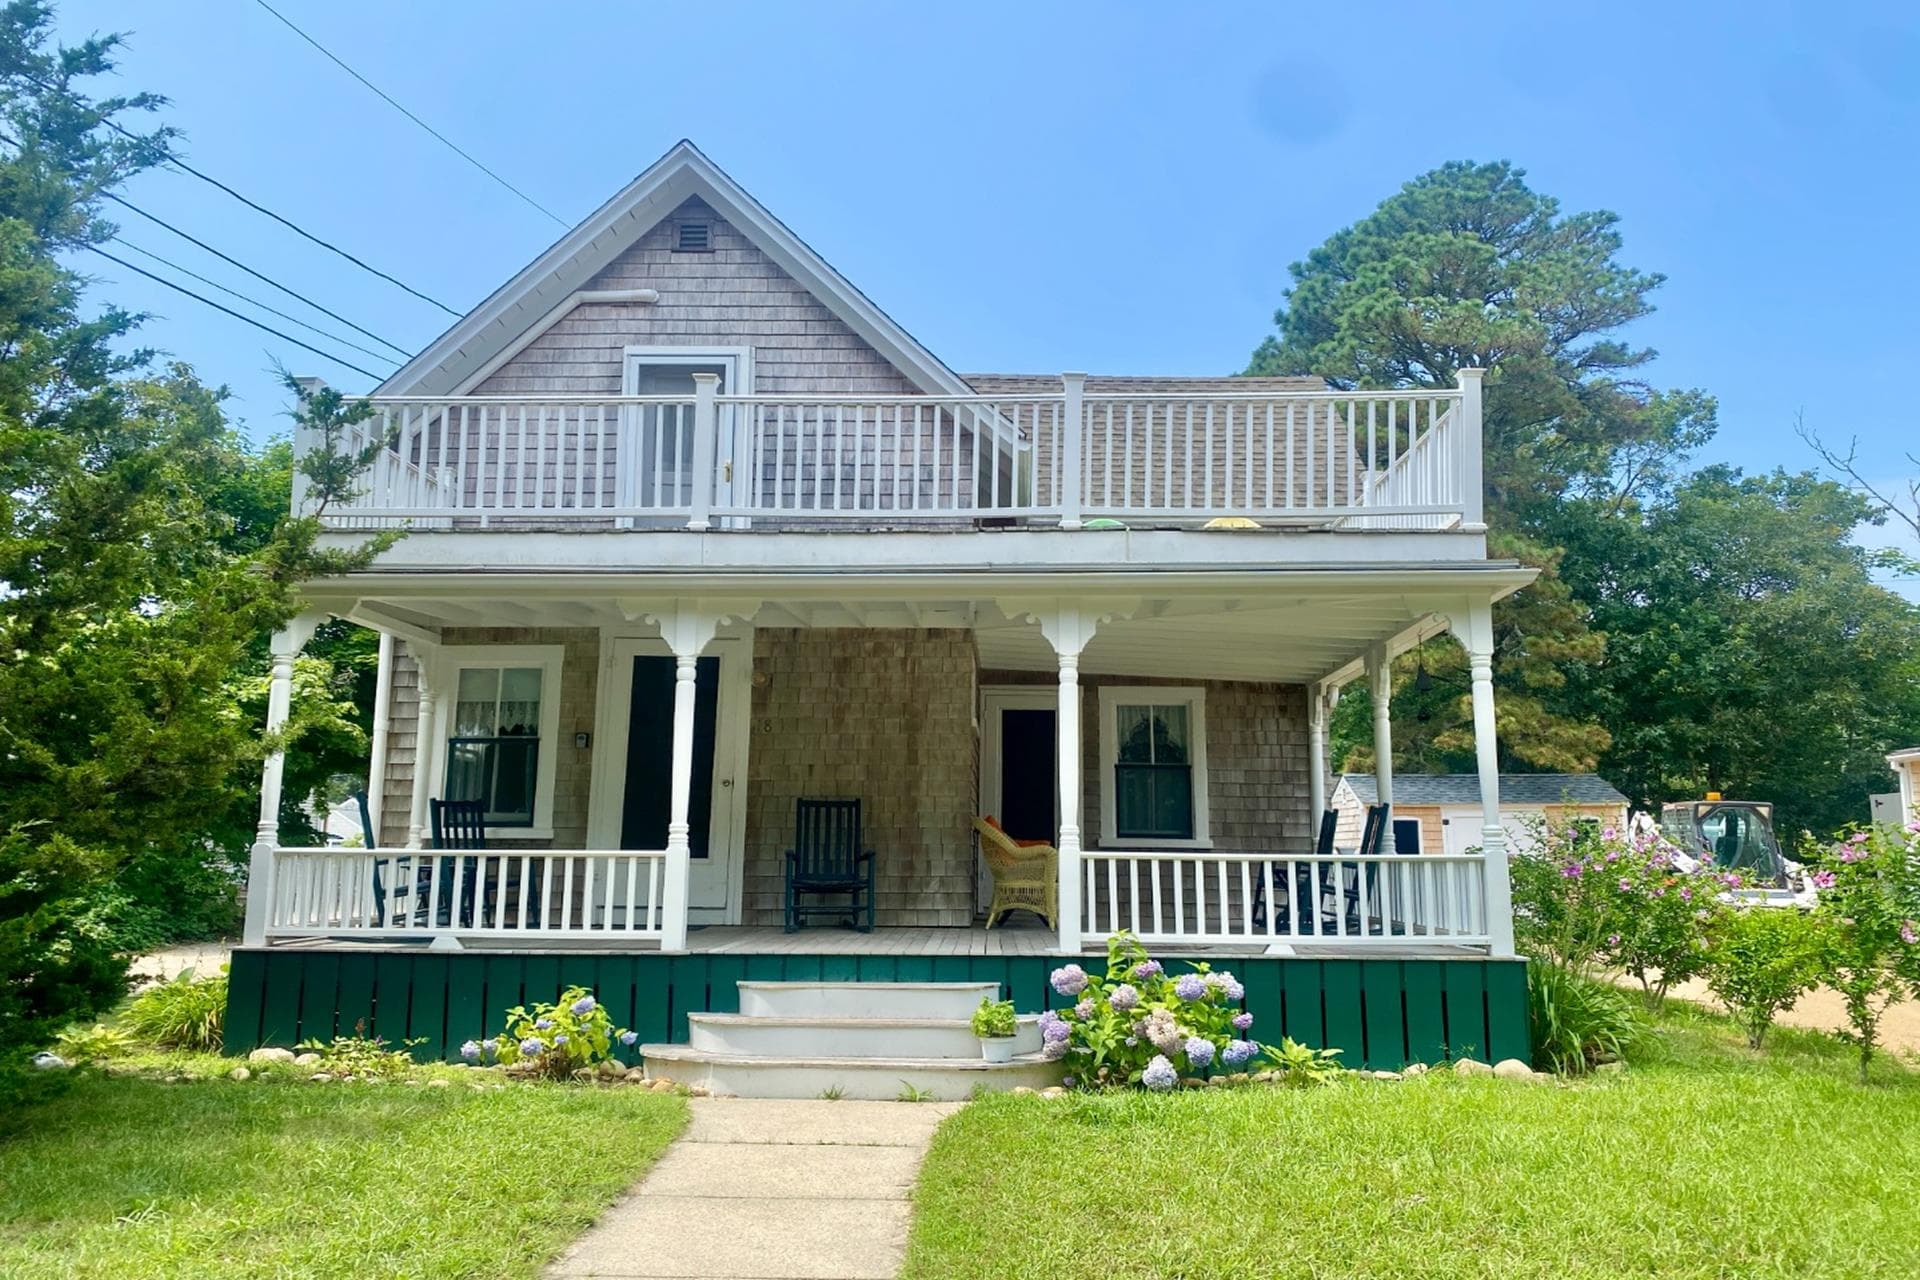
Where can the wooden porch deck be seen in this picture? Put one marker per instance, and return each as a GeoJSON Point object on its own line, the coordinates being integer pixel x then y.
{"type": "Point", "coordinates": [1012, 940]}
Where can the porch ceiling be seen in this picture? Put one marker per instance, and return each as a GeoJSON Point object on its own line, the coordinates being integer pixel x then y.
{"type": "Point", "coordinates": [1284, 635]}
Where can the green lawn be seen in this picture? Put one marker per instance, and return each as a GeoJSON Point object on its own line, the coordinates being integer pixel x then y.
{"type": "Point", "coordinates": [1708, 1163]}
{"type": "Point", "coordinates": [124, 1176]}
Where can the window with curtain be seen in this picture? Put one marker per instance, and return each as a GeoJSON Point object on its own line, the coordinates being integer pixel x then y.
{"type": "Point", "coordinates": [1153, 771]}
{"type": "Point", "coordinates": [493, 751]}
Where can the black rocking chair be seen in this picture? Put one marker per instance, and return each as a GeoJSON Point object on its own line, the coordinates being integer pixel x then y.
{"type": "Point", "coordinates": [458, 824]}
{"type": "Point", "coordinates": [1365, 883]}
{"type": "Point", "coordinates": [826, 861]}
{"type": "Point", "coordinates": [1303, 879]}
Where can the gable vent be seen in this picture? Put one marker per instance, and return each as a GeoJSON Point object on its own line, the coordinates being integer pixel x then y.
{"type": "Point", "coordinates": [693, 237]}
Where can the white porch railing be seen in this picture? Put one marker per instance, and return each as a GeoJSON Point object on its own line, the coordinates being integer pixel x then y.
{"type": "Point", "coordinates": [1338, 459]}
{"type": "Point", "coordinates": [1206, 898]}
{"type": "Point", "coordinates": [534, 893]}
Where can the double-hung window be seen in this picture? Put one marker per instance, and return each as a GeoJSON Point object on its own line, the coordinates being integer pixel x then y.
{"type": "Point", "coordinates": [500, 743]}
{"type": "Point", "coordinates": [1153, 766]}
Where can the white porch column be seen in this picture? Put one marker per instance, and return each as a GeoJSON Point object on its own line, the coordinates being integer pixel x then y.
{"type": "Point", "coordinates": [1067, 749]}
{"type": "Point", "coordinates": [382, 713]}
{"type": "Point", "coordinates": [1316, 753]}
{"type": "Point", "coordinates": [286, 646]}
{"type": "Point", "coordinates": [1475, 631]}
{"type": "Point", "coordinates": [426, 737]}
{"type": "Point", "coordinates": [1380, 688]}
{"type": "Point", "coordinates": [687, 626]}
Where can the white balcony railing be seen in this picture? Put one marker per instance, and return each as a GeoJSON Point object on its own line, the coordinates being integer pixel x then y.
{"type": "Point", "coordinates": [526, 894]}
{"type": "Point", "coordinates": [1333, 459]}
{"type": "Point", "coordinates": [1258, 899]}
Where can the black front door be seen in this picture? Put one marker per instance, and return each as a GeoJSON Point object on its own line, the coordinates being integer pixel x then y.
{"type": "Point", "coordinates": [643, 820]}
{"type": "Point", "coordinates": [1028, 773]}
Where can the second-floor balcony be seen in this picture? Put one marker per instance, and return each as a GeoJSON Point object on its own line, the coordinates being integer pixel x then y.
{"type": "Point", "coordinates": [1331, 460]}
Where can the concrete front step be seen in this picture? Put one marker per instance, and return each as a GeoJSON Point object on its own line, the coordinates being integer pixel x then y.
{"type": "Point", "coordinates": [940, 1000]}
{"type": "Point", "coordinates": [877, 1079]}
{"type": "Point", "coordinates": [746, 1034]}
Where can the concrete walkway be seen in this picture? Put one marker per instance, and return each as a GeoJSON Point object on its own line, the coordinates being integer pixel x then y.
{"type": "Point", "coordinates": [769, 1190]}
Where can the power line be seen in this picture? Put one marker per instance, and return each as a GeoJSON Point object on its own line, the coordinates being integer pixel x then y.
{"type": "Point", "coordinates": [388, 99]}
{"type": "Point", "coordinates": [287, 337]}
{"type": "Point", "coordinates": [257, 207]}
{"type": "Point", "coordinates": [232, 261]}
{"type": "Point", "coordinates": [255, 302]}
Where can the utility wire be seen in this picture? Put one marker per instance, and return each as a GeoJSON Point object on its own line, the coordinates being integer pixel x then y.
{"type": "Point", "coordinates": [325, 355]}
{"type": "Point", "coordinates": [289, 223]}
{"type": "Point", "coordinates": [191, 239]}
{"type": "Point", "coordinates": [388, 99]}
{"type": "Point", "coordinates": [254, 302]}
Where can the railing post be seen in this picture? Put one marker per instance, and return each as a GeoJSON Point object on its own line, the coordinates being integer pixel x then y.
{"type": "Point", "coordinates": [286, 646]}
{"type": "Point", "coordinates": [1073, 429]}
{"type": "Point", "coordinates": [706, 421]}
{"type": "Point", "coordinates": [1467, 448]}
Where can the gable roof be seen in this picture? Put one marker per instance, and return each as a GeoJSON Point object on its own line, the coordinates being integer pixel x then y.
{"type": "Point", "coordinates": [476, 340]}
{"type": "Point", "coordinates": [1464, 788]}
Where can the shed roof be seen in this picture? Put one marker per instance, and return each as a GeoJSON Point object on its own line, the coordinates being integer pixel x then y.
{"type": "Point", "coordinates": [1515, 788]}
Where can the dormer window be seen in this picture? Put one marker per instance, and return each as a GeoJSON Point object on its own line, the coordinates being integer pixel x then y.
{"type": "Point", "coordinates": [695, 235]}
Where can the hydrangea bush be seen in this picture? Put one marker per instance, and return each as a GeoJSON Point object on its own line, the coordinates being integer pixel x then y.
{"type": "Point", "coordinates": [1869, 911]}
{"type": "Point", "coordinates": [1593, 900]}
{"type": "Point", "coordinates": [556, 1040]}
{"type": "Point", "coordinates": [1141, 1025]}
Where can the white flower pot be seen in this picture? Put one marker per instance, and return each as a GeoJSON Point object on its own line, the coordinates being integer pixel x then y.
{"type": "Point", "coordinates": [998, 1050]}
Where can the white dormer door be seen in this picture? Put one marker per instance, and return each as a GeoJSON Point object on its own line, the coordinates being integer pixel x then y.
{"type": "Point", "coordinates": [659, 437]}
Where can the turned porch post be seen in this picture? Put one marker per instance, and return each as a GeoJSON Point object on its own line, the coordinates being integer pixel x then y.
{"type": "Point", "coordinates": [673, 920]}
{"type": "Point", "coordinates": [1067, 749]}
{"type": "Point", "coordinates": [426, 736]}
{"type": "Point", "coordinates": [1475, 631]}
{"type": "Point", "coordinates": [1380, 688]}
{"type": "Point", "coordinates": [286, 646]}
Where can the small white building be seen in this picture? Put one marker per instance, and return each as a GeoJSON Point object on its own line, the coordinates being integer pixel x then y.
{"type": "Point", "coordinates": [1440, 812]}
{"type": "Point", "coordinates": [1906, 767]}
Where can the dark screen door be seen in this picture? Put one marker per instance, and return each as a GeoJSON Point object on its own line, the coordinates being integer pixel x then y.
{"type": "Point", "coordinates": [643, 820]}
{"type": "Point", "coordinates": [1028, 772]}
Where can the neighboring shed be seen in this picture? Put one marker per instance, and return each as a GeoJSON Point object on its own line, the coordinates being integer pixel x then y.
{"type": "Point", "coordinates": [1440, 812]}
{"type": "Point", "coordinates": [1906, 767]}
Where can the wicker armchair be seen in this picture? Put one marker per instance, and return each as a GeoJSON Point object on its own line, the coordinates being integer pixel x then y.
{"type": "Point", "coordinates": [1025, 878]}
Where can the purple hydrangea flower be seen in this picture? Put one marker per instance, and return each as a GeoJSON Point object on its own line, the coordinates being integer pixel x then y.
{"type": "Point", "coordinates": [1067, 1082]}
{"type": "Point", "coordinates": [470, 1051]}
{"type": "Point", "coordinates": [559, 1039]}
{"type": "Point", "coordinates": [1124, 997]}
{"type": "Point", "coordinates": [1199, 1051]}
{"type": "Point", "coordinates": [629, 1037]}
{"type": "Point", "coordinates": [1054, 1050]}
{"type": "Point", "coordinates": [1227, 985]}
{"type": "Point", "coordinates": [1190, 986]}
{"type": "Point", "coordinates": [1069, 980]}
{"type": "Point", "coordinates": [1238, 1053]}
{"type": "Point", "coordinates": [1083, 1010]}
{"type": "Point", "coordinates": [1054, 1029]}
{"type": "Point", "coordinates": [1162, 1031]}
{"type": "Point", "coordinates": [1242, 1021]}
{"type": "Point", "coordinates": [532, 1047]}
{"type": "Point", "coordinates": [1147, 969]}
{"type": "Point", "coordinates": [583, 1006]}
{"type": "Point", "coordinates": [543, 1024]}
{"type": "Point", "coordinates": [1159, 1075]}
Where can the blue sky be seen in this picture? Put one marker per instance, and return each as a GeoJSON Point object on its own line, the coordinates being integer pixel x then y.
{"type": "Point", "coordinates": [1114, 187]}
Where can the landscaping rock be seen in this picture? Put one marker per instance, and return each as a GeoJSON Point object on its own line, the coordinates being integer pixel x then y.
{"type": "Point", "coordinates": [1266, 1077]}
{"type": "Point", "coordinates": [439, 1084]}
{"type": "Point", "coordinates": [1513, 1069]}
{"type": "Point", "coordinates": [306, 1060]}
{"type": "Point", "coordinates": [273, 1055]}
{"type": "Point", "coordinates": [1021, 1091]}
{"type": "Point", "coordinates": [50, 1062]}
{"type": "Point", "coordinates": [1468, 1067]}
{"type": "Point", "coordinates": [696, 1091]}
{"type": "Point", "coordinates": [239, 1073]}
{"type": "Point", "coordinates": [320, 1077]}
{"type": "Point", "coordinates": [611, 1070]}
{"type": "Point", "coordinates": [662, 1085]}
{"type": "Point", "coordinates": [1416, 1069]}
{"type": "Point", "coordinates": [1610, 1068]}
{"type": "Point", "coordinates": [1054, 1092]}
{"type": "Point", "coordinates": [1192, 1082]}
{"type": "Point", "coordinates": [1384, 1075]}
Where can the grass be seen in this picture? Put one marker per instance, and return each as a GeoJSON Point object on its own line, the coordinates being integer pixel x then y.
{"type": "Point", "coordinates": [125, 1175]}
{"type": "Point", "coordinates": [1711, 1161]}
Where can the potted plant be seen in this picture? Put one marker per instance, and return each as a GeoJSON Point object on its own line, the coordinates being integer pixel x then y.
{"type": "Point", "coordinates": [994, 1023]}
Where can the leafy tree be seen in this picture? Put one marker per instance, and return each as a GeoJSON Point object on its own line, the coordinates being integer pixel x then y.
{"type": "Point", "coordinates": [1749, 650]}
{"type": "Point", "coordinates": [130, 598]}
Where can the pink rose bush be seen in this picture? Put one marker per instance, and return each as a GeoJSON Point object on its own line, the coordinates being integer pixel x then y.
{"type": "Point", "coordinates": [1869, 913]}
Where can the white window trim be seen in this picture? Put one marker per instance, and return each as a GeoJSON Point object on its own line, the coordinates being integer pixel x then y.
{"type": "Point", "coordinates": [1195, 698]}
{"type": "Point", "coordinates": [550, 658]}
{"type": "Point", "coordinates": [739, 362]}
